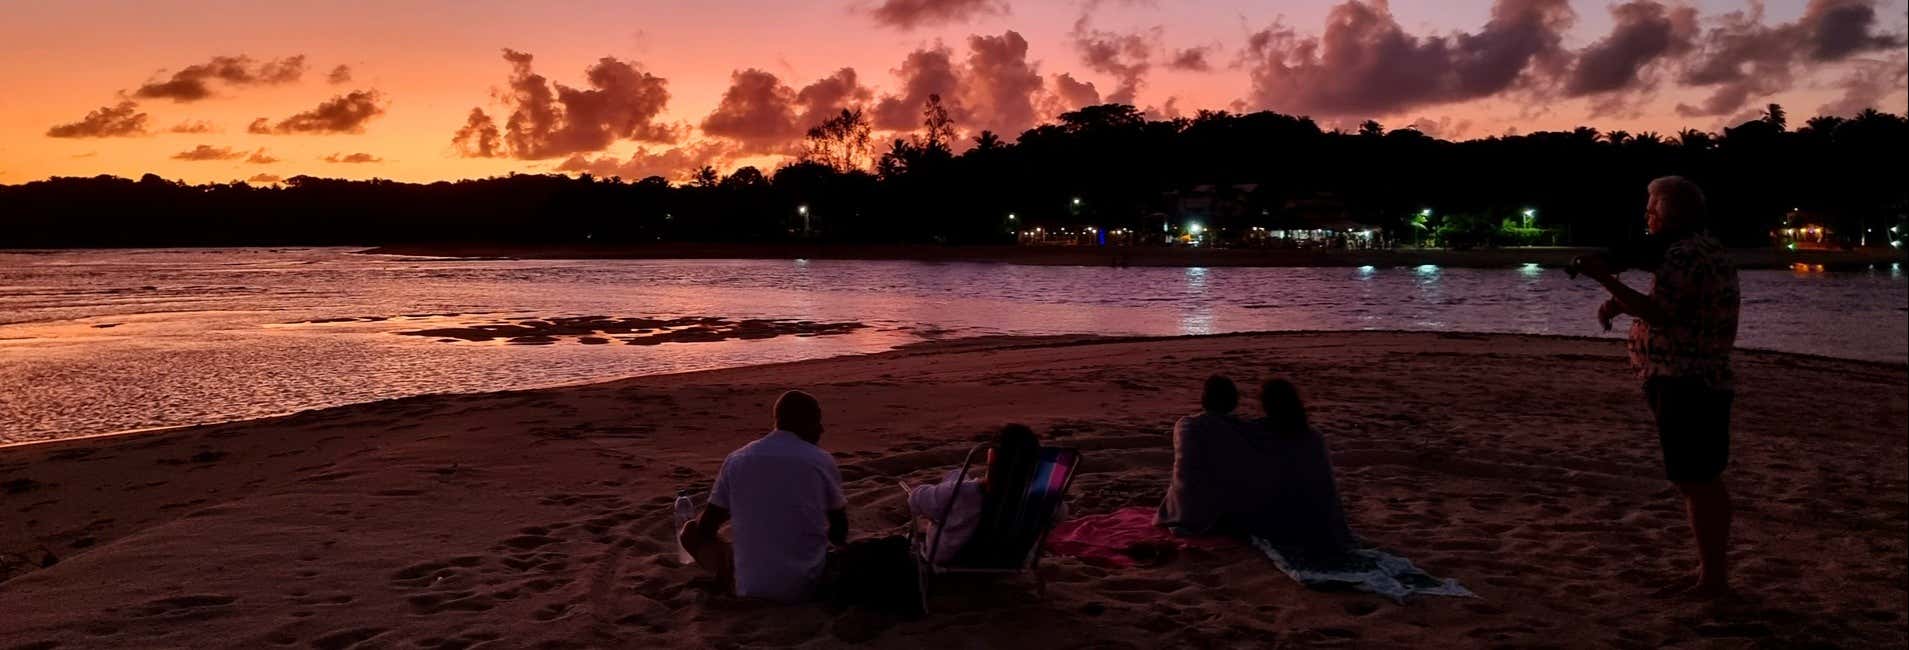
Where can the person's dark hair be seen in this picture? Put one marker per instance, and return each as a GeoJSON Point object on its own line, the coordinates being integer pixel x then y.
{"type": "Point", "coordinates": [1285, 413]}
{"type": "Point", "coordinates": [1015, 451]}
{"type": "Point", "coordinates": [799, 413]}
{"type": "Point", "coordinates": [1017, 454]}
{"type": "Point", "coordinates": [1220, 395]}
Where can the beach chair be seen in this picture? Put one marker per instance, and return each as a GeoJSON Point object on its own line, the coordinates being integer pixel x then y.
{"type": "Point", "coordinates": [1032, 519]}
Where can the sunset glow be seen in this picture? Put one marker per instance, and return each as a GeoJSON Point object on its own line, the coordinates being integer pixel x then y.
{"type": "Point", "coordinates": [236, 91]}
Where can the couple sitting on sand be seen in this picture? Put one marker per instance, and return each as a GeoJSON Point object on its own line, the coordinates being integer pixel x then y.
{"type": "Point", "coordinates": [782, 498]}
{"type": "Point", "coordinates": [1270, 478]}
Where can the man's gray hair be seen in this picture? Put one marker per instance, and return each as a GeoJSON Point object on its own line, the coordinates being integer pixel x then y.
{"type": "Point", "coordinates": [1679, 199]}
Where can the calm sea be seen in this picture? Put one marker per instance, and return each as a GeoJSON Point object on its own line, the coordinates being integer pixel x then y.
{"type": "Point", "coordinates": [101, 341]}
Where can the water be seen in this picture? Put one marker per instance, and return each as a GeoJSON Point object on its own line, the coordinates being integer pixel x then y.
{"type": "Point", "coordinates": [211, 335]}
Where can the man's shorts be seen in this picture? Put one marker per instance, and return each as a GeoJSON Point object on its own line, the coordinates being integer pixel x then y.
{"type": "Point", "coordinates": [1693, 426]}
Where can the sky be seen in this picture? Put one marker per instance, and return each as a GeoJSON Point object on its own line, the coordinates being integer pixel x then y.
{"type": "Point", "coordinates": [422, 90]}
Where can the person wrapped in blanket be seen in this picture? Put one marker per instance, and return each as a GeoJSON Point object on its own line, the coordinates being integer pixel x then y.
{"type": "Point", "coordinates": [1269, 478]}
{"type": "Point", "coordinates": [980, 503]}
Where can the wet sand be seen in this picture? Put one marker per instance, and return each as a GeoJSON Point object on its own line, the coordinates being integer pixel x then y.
{"type": "Point", "coordinates": [1524, 467]}
{"type": "Point", "coordinates": [599, 330]}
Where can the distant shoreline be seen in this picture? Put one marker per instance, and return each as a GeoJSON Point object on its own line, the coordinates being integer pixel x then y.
{"type": "Point", "coordinates": [1758, 258]}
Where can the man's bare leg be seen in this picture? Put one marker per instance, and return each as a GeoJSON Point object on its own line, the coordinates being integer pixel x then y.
{"type": "Point", "coordinates": [1708, 506]}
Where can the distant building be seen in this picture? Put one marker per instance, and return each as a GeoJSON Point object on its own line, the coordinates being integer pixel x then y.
{"type": "Point", "coordinates": [1075, 236]}
{"type": "Point", "coordinates": [1802, 231]}
{"type": "Point", "coordinates": [1212, 204]}
{"type": "Point", "coordinates": [1320, 222]}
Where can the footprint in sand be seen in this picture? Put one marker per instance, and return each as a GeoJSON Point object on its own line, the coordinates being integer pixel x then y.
{"type": "Point", "coordinates": [342, 639]}
{"type": "Point", "coordinates": [194, 607]}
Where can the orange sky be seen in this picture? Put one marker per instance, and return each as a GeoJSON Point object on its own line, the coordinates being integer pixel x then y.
{"type": "Point", "coordinates": [432, 62]}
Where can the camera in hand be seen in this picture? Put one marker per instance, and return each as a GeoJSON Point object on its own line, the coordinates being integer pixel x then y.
{"type": "Point", "coordinates": [1642, 254]}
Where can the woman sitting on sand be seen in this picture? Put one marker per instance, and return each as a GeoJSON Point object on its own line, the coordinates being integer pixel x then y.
{"type": "Point", "coordinates": [1270, 478]}
{"type": "Point", "coordinates": [976, 501]}
{"type": "Point", "coordinates": [1305, 512]}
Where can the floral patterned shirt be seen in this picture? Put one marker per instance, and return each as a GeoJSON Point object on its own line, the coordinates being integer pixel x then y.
{"type": "Point", "coordinates": [1697, 286]}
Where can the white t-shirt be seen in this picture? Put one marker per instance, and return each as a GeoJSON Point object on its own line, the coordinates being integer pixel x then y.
{"type": "Point", "coordinates": [963, 519]}
{"type": "Point", "coordinates": [930, 500]}
{"type": "Point", "coordinates": [778, 491]}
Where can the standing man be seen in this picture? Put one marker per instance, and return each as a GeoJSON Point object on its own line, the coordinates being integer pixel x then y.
{"type": "Point", "coordinates": [1680, 344]}
{"type": "Point", "coordinates": [782, 496]}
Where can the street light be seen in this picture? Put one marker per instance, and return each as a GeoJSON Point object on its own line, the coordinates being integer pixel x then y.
{"type": "Point", "coordinates": [1010, 216]}
{"type": "Point", "coordinates": [1076, 200]}
{"type": "Point", "coordinates": [804, 211]}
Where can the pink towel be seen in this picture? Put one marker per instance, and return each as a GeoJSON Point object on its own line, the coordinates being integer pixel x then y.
{"type": "Point", "coordinates": [1122, 537]}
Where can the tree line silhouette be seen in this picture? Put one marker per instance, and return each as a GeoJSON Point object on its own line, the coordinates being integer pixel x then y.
{"type": "Point", "coordinates": [1586, 186]}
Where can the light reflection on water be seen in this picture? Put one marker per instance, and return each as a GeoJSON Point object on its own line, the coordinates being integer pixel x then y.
{"type": "Point", "coordinates": [203, 335]}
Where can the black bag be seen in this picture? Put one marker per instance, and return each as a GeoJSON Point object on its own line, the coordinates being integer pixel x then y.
{"type": "Point", "coordinates": [878, 575]}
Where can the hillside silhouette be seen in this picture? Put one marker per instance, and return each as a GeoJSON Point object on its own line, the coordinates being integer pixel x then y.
{"type": "Point", "coordinates": [1585, 185]}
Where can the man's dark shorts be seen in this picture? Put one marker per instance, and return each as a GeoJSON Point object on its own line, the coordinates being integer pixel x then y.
{"type": "Point", "coordinates": [1693, 426]}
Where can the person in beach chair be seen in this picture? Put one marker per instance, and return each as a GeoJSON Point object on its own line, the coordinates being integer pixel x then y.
{"type": "Point", "coordinates": [782, 496]}
{"type": "Point", "coordinates": [1270, 478]}
{"type": "Point", "coordinates": [995, 523]}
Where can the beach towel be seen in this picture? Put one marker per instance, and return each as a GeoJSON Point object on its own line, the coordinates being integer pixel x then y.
{"type": "Point", "coordinates": [1122, 538]}
{"type": "Point", "coordinates": [1370, 570]}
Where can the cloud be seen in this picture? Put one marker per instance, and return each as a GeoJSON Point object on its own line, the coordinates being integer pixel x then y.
{"type": "Point", "coordinates": [193, 126]}
{"type": "Point", "coordinates": [339, 75]}
{"type": "Point", "coordinates": [1366, 64]}
{"type": "Point", "coordinates": [263, 179]}
{"type": "Point", "coordinates": [260, 158]}
{"type": "Point", "coordinates": [675, 163]}
{"type": "Point", "coordinates": [1125, 56]}
{"type": "Point", "coordinates": [1071, 94]}
{"type": "Point", "coordinates": [1837, 29]}
{"type": "Point", "coordinates": [208, 152]}
{"type": "Point", "coordinates": [194, 82]}
{"type": "Point", "coordinates": [995, 88]}
{"type": "Point", "coordinates": [1168, 110]}
{"type": "Point", "coordinates": [757, 112]}
{"type": "Point", "coordinates": [346, 113]}
{"type": "Point", "coordinates": [550, 119]}
{"type": "Point", "coordinates": [826, 97]}
{"type": "Point", "coordinates": [116, 121]}
{"type": "Point", "coordinates": [1866, 86]}
{"type": "Point", "coordinates": [1192, 59]}
{"type": "Point", "coordinates": [928, 71]}
{"type": "Point", "coordinates": [1001, 85]}
{"type": "Point", "coordinates": [1443, 128]}
{"type": "Point", "coordinates": [479, 138]}
{"type": "Point", "coordinates": [353, 158]}
{"type": "Point", "coordinates": [1742, 59]}
{"type": "Point", "coordinates": [909, 14]}
{"type": "Point", "coordinates": [1644, 32]}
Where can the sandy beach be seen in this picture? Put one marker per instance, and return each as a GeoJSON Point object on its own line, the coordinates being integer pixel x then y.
{"type": "Point", "coordinates": [1524, 467]}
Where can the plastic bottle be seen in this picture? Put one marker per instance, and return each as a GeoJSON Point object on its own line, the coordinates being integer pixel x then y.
{"type": "Point", "coordinates": [685, 510]}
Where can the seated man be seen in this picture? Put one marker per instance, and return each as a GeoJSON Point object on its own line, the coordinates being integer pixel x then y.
{"type": "Point", "coordinates": [1219, 479]}
{"type": "Point", "coordinates": [782, 496]}
{"type": "Point", "coordinates": [1010, 466]}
